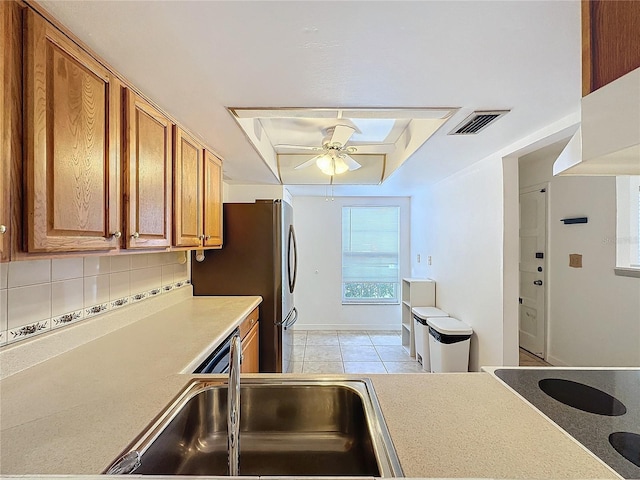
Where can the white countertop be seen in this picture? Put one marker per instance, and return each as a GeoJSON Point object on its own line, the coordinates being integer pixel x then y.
{"type": "Point", "coordinates": [74, 413]}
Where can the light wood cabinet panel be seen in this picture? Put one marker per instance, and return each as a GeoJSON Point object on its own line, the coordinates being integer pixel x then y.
{"type": "Point", "coordinates": [251, 351]}
{"type": "Point", "coordinates": [187, 190]}
{"type": "Point", "coordinates": [147, 175]}
{"type": "Point", "coordinates": [212, 200]}
{"type": "Point", "coordinates": [610, 41]}
{"type": "Point", "coordinates": [248, 323]}
{"type": "Point", "coordinates": [72, 145]}
{"type": "Point", "coordinates": [10, 125]}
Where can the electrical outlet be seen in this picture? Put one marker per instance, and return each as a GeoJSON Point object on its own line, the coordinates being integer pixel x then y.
{"type": "Point", "coordinates": [429, 259]}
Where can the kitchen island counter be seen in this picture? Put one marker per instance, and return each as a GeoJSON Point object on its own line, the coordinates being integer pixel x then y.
{"type": "Point", "coordinates": [74, 413]}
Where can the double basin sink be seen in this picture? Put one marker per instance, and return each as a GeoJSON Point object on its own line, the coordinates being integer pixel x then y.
{"type": "Point", "coordinates": [287, 427]}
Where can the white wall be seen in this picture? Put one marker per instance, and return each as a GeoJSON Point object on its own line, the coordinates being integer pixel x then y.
{"type": "Point", "coordinates": [233, 193]}
{"type": "Point", "coordinates": [318, 296]}
{"type": "Point", "coordinates": [458, 222]}
{"type": "Point", "coordinates": [468, 223]}
{"type": "Point", "coordinates": [594, 315]}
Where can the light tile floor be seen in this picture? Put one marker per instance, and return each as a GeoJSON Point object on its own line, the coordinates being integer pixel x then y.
{"type": "Point", "coordinates": [320, 351]}
{"type": "Point", "coordinates": [529, 360]}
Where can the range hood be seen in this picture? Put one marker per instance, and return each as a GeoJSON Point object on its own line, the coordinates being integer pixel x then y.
{"type": "Point", "coordinates": [608, 140]}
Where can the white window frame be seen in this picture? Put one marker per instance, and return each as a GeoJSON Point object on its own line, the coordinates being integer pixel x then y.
{"type": "Point", "coordinates": [628, 226]}
{"type": "Point", "coordinates": [369, 300]}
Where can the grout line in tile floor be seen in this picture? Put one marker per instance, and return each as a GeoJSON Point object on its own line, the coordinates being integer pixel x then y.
{"type": "Point", "coordinates": [371, 351]}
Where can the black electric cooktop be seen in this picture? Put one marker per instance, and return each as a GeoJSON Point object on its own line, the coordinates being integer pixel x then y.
{"type": "Point", "coordinates": [599, 408]}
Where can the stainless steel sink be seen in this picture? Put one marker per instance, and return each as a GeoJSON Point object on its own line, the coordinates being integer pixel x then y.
{"type": "Point", "coordinates": [287, 427]}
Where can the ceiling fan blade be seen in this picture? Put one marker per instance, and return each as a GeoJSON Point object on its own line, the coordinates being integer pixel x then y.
{"type": "Point", "coordinates": [351, 163]}
{"type": "Point", "coordinates": [308, 163]}
{"type": "Point", "coordinates": [342, 134]}
{"type": "Point", "coordinates": [298, 147]}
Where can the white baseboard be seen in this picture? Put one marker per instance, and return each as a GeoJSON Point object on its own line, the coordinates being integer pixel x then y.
{"type": "Point", "coordinates": [556, 362]}
{"type": "Point", "coordinates": [343, 327]}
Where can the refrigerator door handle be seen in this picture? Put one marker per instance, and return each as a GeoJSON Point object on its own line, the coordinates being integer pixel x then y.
{"type": "Point", "coordinates": [286, 319]}
{"type": "Point", "coordinates": [294, 274]}
{"type": "Point", "coordinates": [290, 323]}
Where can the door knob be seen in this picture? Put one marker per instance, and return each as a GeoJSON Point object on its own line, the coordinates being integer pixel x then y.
{"type": "Point", "coordinates": [135, 235]}
{"type": "Point", "coordinates": [116, 234]}
{"type": "Point", "coordinates": [537, 282]}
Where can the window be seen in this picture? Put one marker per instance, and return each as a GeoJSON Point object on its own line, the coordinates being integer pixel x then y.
{"type": "Point", "coordinates": [628, 224]}
{"type": "Point", "coordinates": [370, 254]}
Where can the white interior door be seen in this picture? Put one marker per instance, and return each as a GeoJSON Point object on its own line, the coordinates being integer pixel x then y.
{"type": "Point", "coordinates": [533, 235]}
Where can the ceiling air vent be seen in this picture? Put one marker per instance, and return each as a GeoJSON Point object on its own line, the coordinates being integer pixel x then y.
{"type": "Point", "coordinates": [477, 121]}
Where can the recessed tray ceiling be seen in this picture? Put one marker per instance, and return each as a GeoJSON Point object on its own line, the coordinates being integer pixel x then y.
{"type": "Point", "coordinates": [384, 139]}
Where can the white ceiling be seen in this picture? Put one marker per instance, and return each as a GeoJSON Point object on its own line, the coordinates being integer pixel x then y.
{"type": "Point", "coordinates": [196, 58]}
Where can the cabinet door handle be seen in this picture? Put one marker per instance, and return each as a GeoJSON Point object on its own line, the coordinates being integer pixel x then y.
{"type": "Point", "coordinates": [537, 282]}
{"type": "Point", "coordinates": [116, 234]}
{"type": "Point", "coordinates": [207, 237]}
{"type": "Point", "coordinates": [3, 229]}
{"type": "Point", "coordinates": [135, 235]}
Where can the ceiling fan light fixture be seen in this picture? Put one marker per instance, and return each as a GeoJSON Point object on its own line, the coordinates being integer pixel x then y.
{"type": "Point", "coordinates": [323, 162]}
{"type": "Point", "coordinates": [331, 165]}
{"type": "Point", "coordinates": [339, 166]}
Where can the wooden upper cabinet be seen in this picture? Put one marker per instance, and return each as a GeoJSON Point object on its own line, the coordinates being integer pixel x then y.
{"type": "Point", "coordinates": [5, 207]}
{"type": "Point", "coordinates": [10, 122]}
{"type": "Point", "coordinates": [147, 174]}
{"type": "Point", "coordinates": [72, 112]}
{"type": "Point", "coordinates": [212, 200]}
{"type": "Point", "coordinates": [187, 190]}
{"type": "Point", "coordinates": [610, 41]}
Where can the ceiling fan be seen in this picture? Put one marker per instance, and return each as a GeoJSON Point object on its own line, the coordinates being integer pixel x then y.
{"type": "Point", "coordinates": [335, 158]}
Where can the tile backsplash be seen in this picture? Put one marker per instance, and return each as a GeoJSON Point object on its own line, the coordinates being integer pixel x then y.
{"type": "Point", "coordinates": [39, 295]}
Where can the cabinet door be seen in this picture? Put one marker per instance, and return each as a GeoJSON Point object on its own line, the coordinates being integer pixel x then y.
{"type": "Point", "coordinates": [10, 119]}
{"type": "Point", "coordinates": [187, 189]}
{"type": "Point", "coordinates": [212, 200]}
{"type": "Point", "coordinates": [251, 351]}
{"type": "Point", "coordinates": [72, 151]}
{"type": "Point", "coordinates": [147, 183]}
{"type": "Point", "coordinates": [610, 46]}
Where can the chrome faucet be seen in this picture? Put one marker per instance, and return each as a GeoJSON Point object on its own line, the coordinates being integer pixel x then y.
{"type": "Point", "coordinates": [233, 406]}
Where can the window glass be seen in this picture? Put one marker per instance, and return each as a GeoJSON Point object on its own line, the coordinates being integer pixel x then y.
{"type": "Point", "coordinates": [628, 224]}
{"type": "Point", "coordinates": [370, 254]}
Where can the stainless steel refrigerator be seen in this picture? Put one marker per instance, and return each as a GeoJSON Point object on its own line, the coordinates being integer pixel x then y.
{"type": "Point", "coordinates": [259, 257]}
